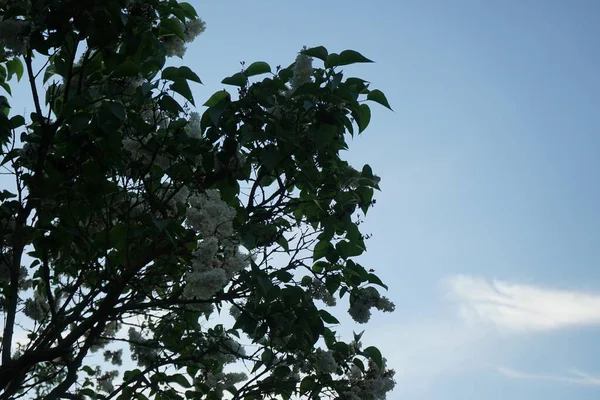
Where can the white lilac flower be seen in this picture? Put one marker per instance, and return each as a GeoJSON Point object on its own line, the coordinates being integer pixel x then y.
{"type": "Point", "coordinates": [156, 118]}
{"type": "Point", "coordinates": [131, 85]}
{"type": "Point", "coordinates": [36, 308]}
{"type": "Point", "coordinates": [374, 384]}
{"type": "Point", "coordinates": [235, 261]}
{"type": "Point", "coordinates": [204, 284]}
{"type": "Point", "coordinates": [221, 381]}
{"type": "Point", "coordinates": [210, 215]}
{"type": "Point", "coordinates": [224, 350]}
{"type": "Point", "coordinates": [173, 46]}
{"type": "Point", "coordinates": [302, 71]}
{"type": "Point", "coordinates": [362, 302]}
{"type": "Point", "coordinates": [233, 346]}
{"type": "Point", "coordinates": [317, 290]}
{"type": "Point", "coordinates": [141, 348]}
{"type": "Point", "coordinates": [355, 373]}
{"type": "Point", "coordinates": [192, 29]}
{"type": "Point", "coordinates": [360, 312]}
{"type": "Point", "coordinates": [235, 311]}
{"type": "Point", "coordinates": [193, 127]}
{"type": "Point", "coordinates": [205, 253]}
{"type": "Point", "coordinates": [115, 357]}
{"type": "Point", "coordinates": [325, 363]}
{"type": "Point", "coordinates": [14, 34]}
{"type": "Point", "coordinates": [134, 147]}
{"type": "Point", "coordinates": [112, 328]}
{"type": "Point", "coordinates": [178, 198]}
{"type": "Point", "coordinates": [105, 381]}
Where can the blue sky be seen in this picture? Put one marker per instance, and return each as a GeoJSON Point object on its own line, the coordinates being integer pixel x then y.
{"type": "Point", "coordinates": [487, 227]}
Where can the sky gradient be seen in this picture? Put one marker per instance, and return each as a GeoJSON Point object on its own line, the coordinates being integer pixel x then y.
{"type": "Point", "coordinates": [487, 227]}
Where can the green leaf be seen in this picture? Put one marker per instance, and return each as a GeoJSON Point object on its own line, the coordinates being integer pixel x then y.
{"type": "Point", "coordinates": [49, 73]}
{"type": "Point", "coordinates": [362, 116]}
{"type": "Point", "coordinates": [328, 318]}
{"type": "Point", "coordinates": [88, 370]}
{"type": "Point", "coordinates": [176, 74]}
{"type": "Point", "coordinates": [14, 66]}
{"type": "Point", "coordinates": [117, 109]}
{"type": "Point", "coordinates": [188, 74]}
{"type": "Point", "coordinates": [267, 357]}
{"type": "Point", "coordinates": [161, 224]}
{"type": "Point", "coordinates": [170, 73]}
{"type": "Point", "coordinates": [217, 97]}
{"type": "Point", "coordinates": [169, 104]}
{"type": "Point", "coordinates": [282, 371]}
{"type": "Point", "coordinates": [270, 159]}
{"type": "Point", "coordinates": [332, 60]}
{"type": "Point", "coordinates": [183, 88]}
{"type": "Point", "coordinates": [257, 68]}
{"type": "Point", "coordinates": [284, 276]}
{"type": "Point", "coordinates": [374, 354]}
{"type": "Point", "coordinates": [6, 87]}
{"type": "Point", "coordinates": [351, 57]}
{"type": "Point", "coordinates": [372, 278]}
{"type": "Point", "coordinates": [238, 79]}
{"type": "Point", "coordinates": [171, 25]}
{"type": "Point", "coordinates": [189, 10]}
{"type": "Point", "coordinates": [128, 68]}
{"type": "Point", "coordinates": [358, 362]}
{"type": "Point", "coordinates": [79, 122]}
{"type": "Point", "coordinates": [367, 172]}
{"type": "Point", "coordinates": [319, 52]}
{"type": "Point", "coordinates": [358, 336]}
{"type": "Point", "coordinates": [17, 121]}
{"type": "Point", "coordinates": [377, 96]}
{"type": "Point", "coordinates": [321, 249]}
{"type": "Point", "coordinates": [307, 384]}
{"type": "Point", "coordinates": [282, 241]}
{"type": "Point", "coordinates": [88, 392]}
{"type": "Point", "coordinates": [180, 380]}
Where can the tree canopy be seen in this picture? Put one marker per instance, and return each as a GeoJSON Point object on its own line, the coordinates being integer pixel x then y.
{"type": "Point", "coordinates": [151, 251]}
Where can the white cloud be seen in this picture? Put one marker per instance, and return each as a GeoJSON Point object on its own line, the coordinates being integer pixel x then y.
{"type": "Point", "coordinates": [574, 376]}
{"type": "Point", "coordinates": [521, 307]}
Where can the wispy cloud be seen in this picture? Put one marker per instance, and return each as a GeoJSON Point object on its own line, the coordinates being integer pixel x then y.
{"type": "Point", "coordinates": [521, 307]}
{"type": "Point", "coordinates": [574, 376]}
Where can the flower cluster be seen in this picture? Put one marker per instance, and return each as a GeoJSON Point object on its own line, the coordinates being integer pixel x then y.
{"type": "Point", "coordinates": [136, 148]}
{"type": "Point", "coordinates": [222, 350]}
{"type": "Point", "coordinates": [210, 215]}
{"type": "Point", "coordinates": [303, 71]}
{"type": "Point", "coordinates": [365, 299]}
{"type": "Point", "coordinates": [220, 381]}
{"type": "Point", "coordinates": [14, 34]}
{"type": "Point", "coordinates": [115, 357]}
{"type": "Point", "coordinates": [315, 289]}
{"type": "Point", "coordinates": [204, 284]}
{"type": "Point", "coordinates": [374, 384]}
{"type": "Point", "coordinates": [174, 46]}
{"type": "Point", "coordinates": [210, 273]}
{"type": "Point", "coordinates": [36, 308]}
{"type": "Point", "coordinates": [324, 362]}
{"type": "Point", "coordinates": [110, 331]}
{"type": "Point", "coordinates": [141, 349]}
{"type": "Point", "coordinates": [105, 381]}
